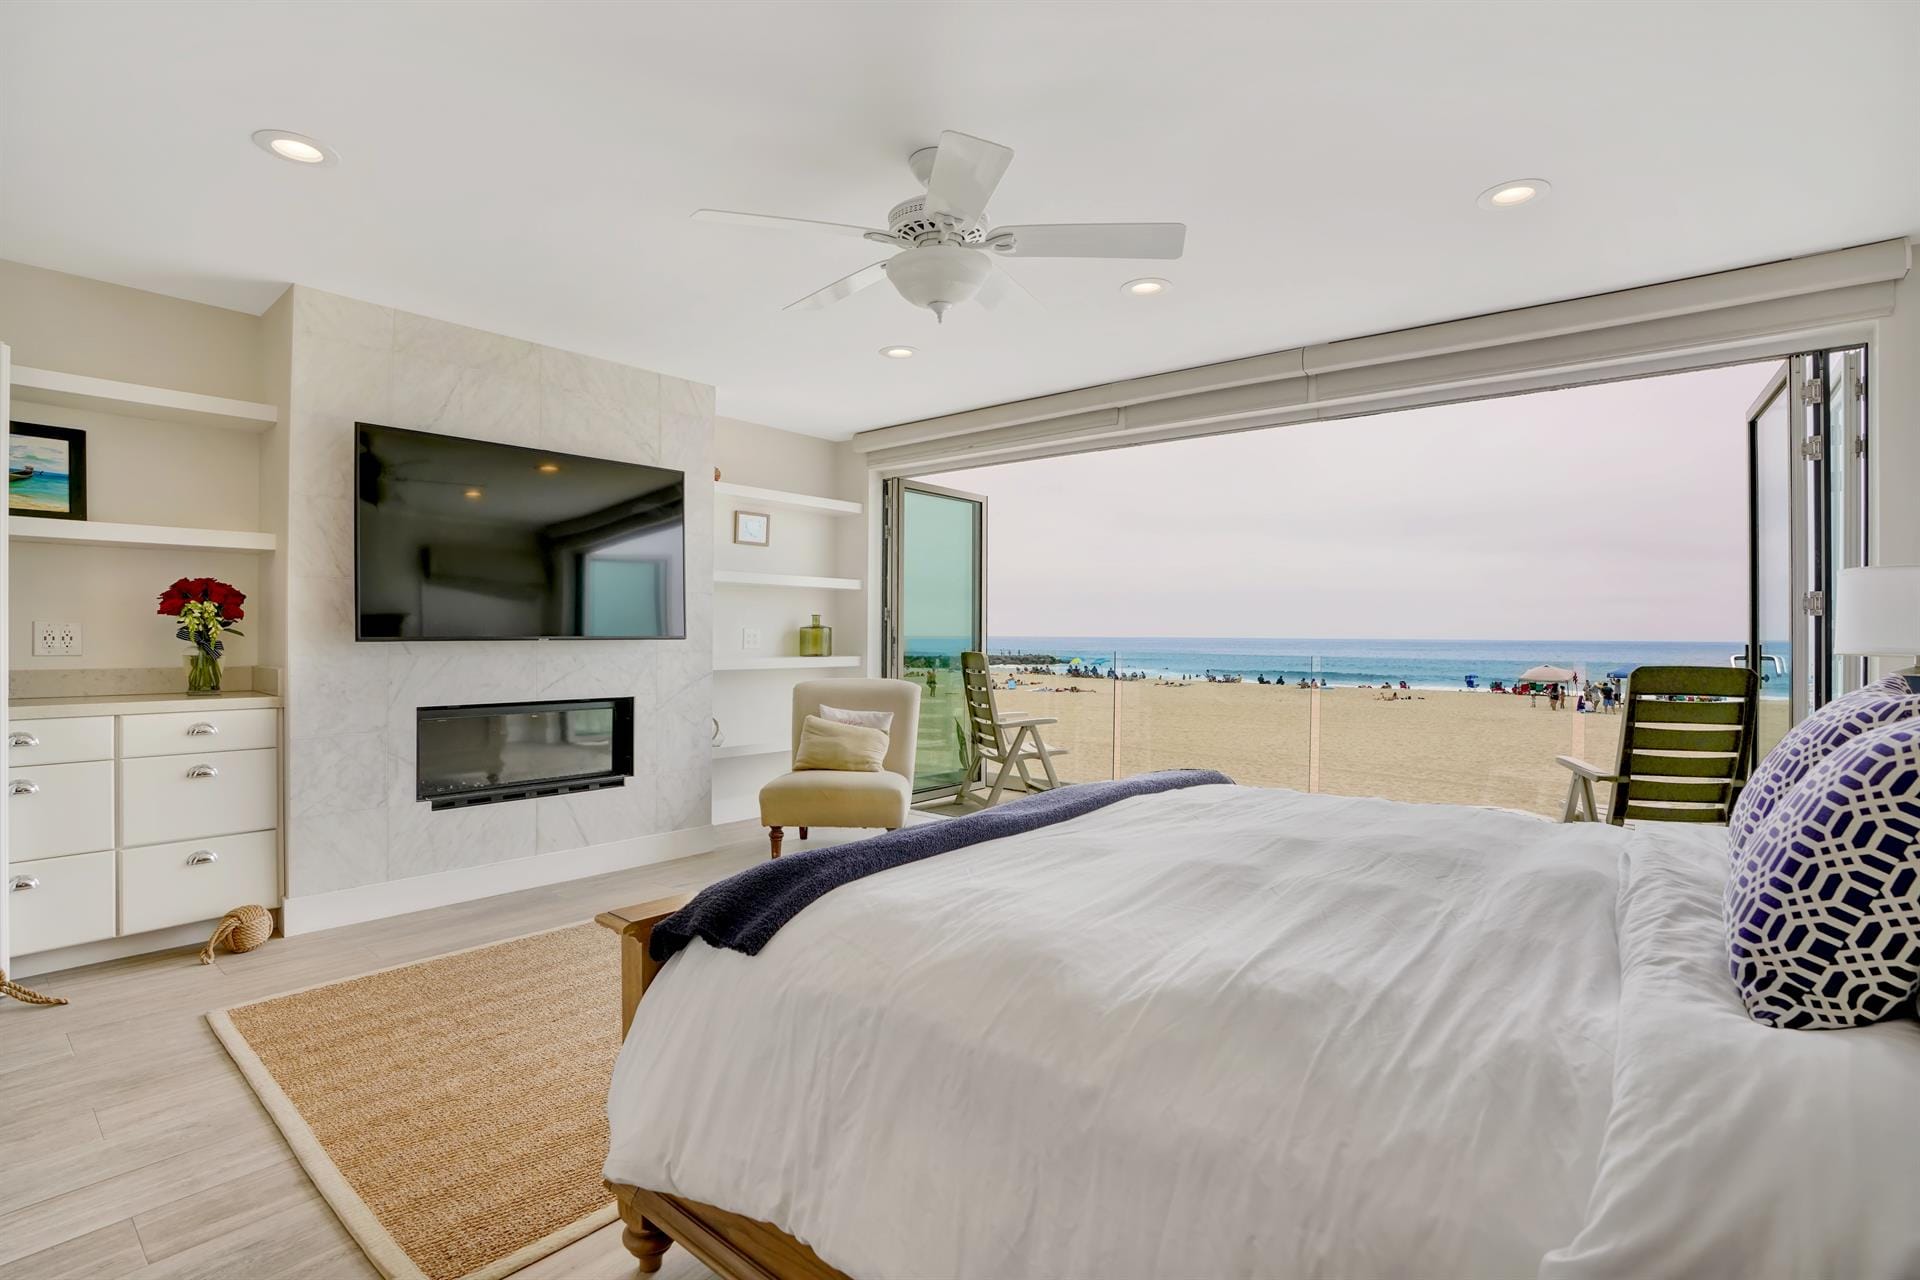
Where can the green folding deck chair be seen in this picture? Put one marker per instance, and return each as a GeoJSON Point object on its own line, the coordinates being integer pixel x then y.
{"type": "Point", "coordinates": [1685, 748]}
{"type": "Point", "coordinates": [1010, 742]}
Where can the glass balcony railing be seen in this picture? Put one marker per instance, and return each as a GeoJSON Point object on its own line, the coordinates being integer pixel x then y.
{"type": "Point", "coordinates": [1254, 724]}
{"type": "Point", "coordinates": [1313, 724]}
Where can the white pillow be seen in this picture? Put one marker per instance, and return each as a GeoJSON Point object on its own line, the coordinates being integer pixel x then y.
{"type": "Point", "coordinates": [881, 720]}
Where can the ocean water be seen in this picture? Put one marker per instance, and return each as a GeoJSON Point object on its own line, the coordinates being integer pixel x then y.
{"type": "Point", "coordinates": [1424, 664]}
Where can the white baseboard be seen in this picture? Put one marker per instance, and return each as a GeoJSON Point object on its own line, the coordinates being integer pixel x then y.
{"type": "Point", "coordinates": [180, 935]}
{"type": "Point", "coordinates": [444, 888]}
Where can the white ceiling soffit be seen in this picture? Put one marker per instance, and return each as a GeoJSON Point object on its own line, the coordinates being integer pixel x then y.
{"type": "Point", "coordinates": [1669, 325]}
{"type": "Point", "coordinates": [530, 168]}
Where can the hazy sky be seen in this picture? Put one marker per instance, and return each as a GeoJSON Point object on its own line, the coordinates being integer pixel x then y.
{"type": "Point", "coordinates": [1615, 512]}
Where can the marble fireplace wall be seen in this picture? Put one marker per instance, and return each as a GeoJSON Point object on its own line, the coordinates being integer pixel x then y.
{"type": "Point", "coordinates": [351, 818]}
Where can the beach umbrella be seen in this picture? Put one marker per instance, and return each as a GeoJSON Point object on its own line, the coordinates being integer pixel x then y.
{"type": "Point", "coordinates": [1546, 675]}
{"type": "Point", "coordinates": [1621, 673]}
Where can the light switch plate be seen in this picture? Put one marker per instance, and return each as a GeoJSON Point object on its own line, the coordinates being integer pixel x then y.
{"type": "Point", "coordinates": [749, 638]}
{"type": "Point", "coordinates": [56, 640]}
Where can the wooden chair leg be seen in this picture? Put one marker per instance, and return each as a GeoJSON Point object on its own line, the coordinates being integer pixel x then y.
{"type": "Point", "coordinates": [645, 1241]}
{"type": "Point", "coordinates": [774, 836]}
{"type": "Point", "coordinates": [803, 833]}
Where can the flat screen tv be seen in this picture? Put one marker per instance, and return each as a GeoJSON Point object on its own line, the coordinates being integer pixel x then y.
{"type": "Point", "coordinates": [465, 540]}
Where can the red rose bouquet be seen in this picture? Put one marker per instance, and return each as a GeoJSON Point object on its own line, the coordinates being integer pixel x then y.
{"type": "Point", "coordinates": [206, 610]}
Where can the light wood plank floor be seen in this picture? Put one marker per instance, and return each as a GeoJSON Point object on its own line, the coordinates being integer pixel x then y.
{"type": "Point", "coordinates": [130, 1145]}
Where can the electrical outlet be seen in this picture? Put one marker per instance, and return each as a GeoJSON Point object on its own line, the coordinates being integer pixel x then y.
{"type": "Point", "coordinates": [749, 638]}
{"type": "Point", "coordinates": [56, 639]}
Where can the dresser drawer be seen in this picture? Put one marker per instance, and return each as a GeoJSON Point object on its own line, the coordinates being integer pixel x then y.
{"type": "Point", "coordinates": [219, 793]}
{"type": "Point", "coordinates": [58, 809]}
{"type": "Point", "coordinates": [169, 884]}
{"type": "Point", "coordinates": [192, 732]}
{"type": "Point", "coordinates": [61, 902]}
{"type": "Point", "coordinates": [60, 741]}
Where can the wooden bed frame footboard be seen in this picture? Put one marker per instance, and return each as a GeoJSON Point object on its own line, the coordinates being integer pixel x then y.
{"type": "Point", "coordinates": [734, 1246]}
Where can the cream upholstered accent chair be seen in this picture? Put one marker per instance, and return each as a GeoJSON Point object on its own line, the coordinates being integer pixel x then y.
{"type": "Point", "coordinates": [828, 798]}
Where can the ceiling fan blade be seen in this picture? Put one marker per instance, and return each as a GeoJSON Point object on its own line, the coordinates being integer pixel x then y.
{"type": "Point", "coordinates": [1000, 289]}
{"type": "Point", "coordinates": [1094, 240]}
{"type": "Point", "coordinates": [778, 223]}
{"type": "Point", "coordinates": [871, 274]}
{"type": "Point", "coordinates": [966, 170]}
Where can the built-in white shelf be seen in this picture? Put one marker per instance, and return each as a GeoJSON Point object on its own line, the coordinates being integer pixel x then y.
{"type": "Point", "coordinates": [787, 501]}
{"type": "Point", "coordinates": [48, 386]}
{"type": "Point", "coordinates": [733, 662]}
{"type": "Point", "coordinates": [738, 578]}
{"type": "Point", "coordinates": [746, 749]}
{"type": "Point", "coordinates": [102, 533]}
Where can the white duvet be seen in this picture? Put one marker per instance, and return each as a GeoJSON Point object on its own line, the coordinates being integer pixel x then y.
{"type": "Point", "coordinates": [1222, 1032]}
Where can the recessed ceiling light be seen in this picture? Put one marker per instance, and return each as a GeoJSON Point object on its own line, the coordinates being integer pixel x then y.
{"type": "Point", "coordinates": [296, 147]}
{"type": "Point", "coordinates": [1510, 195]}
{"type": "Point", "coordinates": [473, 493]}
{"type": "Point", "coordinates": [1146, 286]}
{"type": "Point", "coordinates": [897, 353]}
{"type": "Point", "coordinates": [547, 468]}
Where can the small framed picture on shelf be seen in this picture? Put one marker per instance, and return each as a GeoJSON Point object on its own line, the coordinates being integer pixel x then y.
{"type": "Point", "coordinates": [752, 528]}
{"type": "Point", "coordinates": [46, 472]}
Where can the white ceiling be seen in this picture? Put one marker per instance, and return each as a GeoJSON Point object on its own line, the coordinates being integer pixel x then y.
{"type": "Point", "coordinates": [529, 168]}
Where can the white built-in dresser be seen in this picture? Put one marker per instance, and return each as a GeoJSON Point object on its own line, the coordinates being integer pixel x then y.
{"type": "Point", "coordinates": [134, 814]}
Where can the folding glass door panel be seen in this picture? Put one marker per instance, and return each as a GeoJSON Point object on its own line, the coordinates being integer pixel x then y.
{"type": "Point", "coordinates": [1773, 465]}
{"type": "Point", "coordinates": [1844, 459]}
{"type": "Point", "coordinates": [1808, 457]}
{"type": "Point", "coordinates": [936, 543]}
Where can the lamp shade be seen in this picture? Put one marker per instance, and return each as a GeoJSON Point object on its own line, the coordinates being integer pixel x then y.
{"type": "Point", "coordinates": [1877, 611]}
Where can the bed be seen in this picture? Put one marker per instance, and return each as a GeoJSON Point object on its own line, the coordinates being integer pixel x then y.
{"type": "Point", "coordinates": [1234, 1031]}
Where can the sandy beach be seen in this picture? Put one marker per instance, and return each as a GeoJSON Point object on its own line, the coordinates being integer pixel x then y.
{"type": "Point", "coordinates": [1426, 745]}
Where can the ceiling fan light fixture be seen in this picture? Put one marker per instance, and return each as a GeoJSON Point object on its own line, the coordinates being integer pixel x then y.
{"type": "Point", "coordinates": [897, 353]}
{"type": "Point", "coordinates": [936, 276]}
{"type": "Point", "coordinates": [295, 147]}
{"type": "Point", "coordinates": [1513, 194]}
{"type": "Point", "coordinates": [1146, 286]}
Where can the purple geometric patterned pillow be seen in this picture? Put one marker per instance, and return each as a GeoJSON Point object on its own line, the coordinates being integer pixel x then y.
{"type": "Point", "coordinates": [1885, 701]}
{"type": "Point", "coordinates": [1823, 906]}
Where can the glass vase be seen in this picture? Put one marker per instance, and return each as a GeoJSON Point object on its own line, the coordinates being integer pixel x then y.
{"type": "Point", "coordinates": [203, 673]}
{"type": "Point", "coordinates": [816, 641]}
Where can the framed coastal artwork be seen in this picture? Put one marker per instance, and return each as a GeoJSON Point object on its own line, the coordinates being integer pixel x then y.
{"type": "Point", "coordinates": [751, 528]}
{"type": "Point", "coordinates": [46, 471]}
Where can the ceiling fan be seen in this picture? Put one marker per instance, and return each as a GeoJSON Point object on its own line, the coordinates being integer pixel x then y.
{"type": "Point", "coordinates": [947, 250]}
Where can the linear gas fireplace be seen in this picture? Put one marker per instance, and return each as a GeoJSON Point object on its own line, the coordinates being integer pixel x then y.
{"type": "Point", "coordinates": [490, 752]}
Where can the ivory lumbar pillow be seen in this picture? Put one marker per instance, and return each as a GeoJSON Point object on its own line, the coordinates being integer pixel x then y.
{"type": "Point", "coordinates": [845, 748]}
{"type": "Point", "coordinates": [881, 720]}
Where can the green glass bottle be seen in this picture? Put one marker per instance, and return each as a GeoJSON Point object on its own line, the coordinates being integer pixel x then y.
{"type": "Point", "coordinates": [816, 641]}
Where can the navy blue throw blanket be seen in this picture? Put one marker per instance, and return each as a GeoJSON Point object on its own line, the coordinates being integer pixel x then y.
{"type": "Point", "coordinates": [744, 911]}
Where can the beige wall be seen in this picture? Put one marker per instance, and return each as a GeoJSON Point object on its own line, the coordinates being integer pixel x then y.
{"type": "Point", "coordinates": [756, 706]}
{"type": "Point", "coordinates": [207, 477]}
{"type": "Point", "coordinates": [75, 325]}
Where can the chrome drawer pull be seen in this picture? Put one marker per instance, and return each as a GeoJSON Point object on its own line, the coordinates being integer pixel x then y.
{"type": "Point", "coordinates": [203, 771]}
{"type": "Point", "coordinates": [202, 730]}
{"type": "Point", "coordinates": [23, 740]}
{"type": "Point", "coordinates": [23, 787]}
{"type": "Point", "coordinates": [201, 857]}
{"type": "Point", "coordinates": [21, 883]}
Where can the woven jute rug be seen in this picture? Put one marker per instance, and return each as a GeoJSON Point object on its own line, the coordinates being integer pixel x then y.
{"type": "Point", "coordinates": [453, 1111]}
